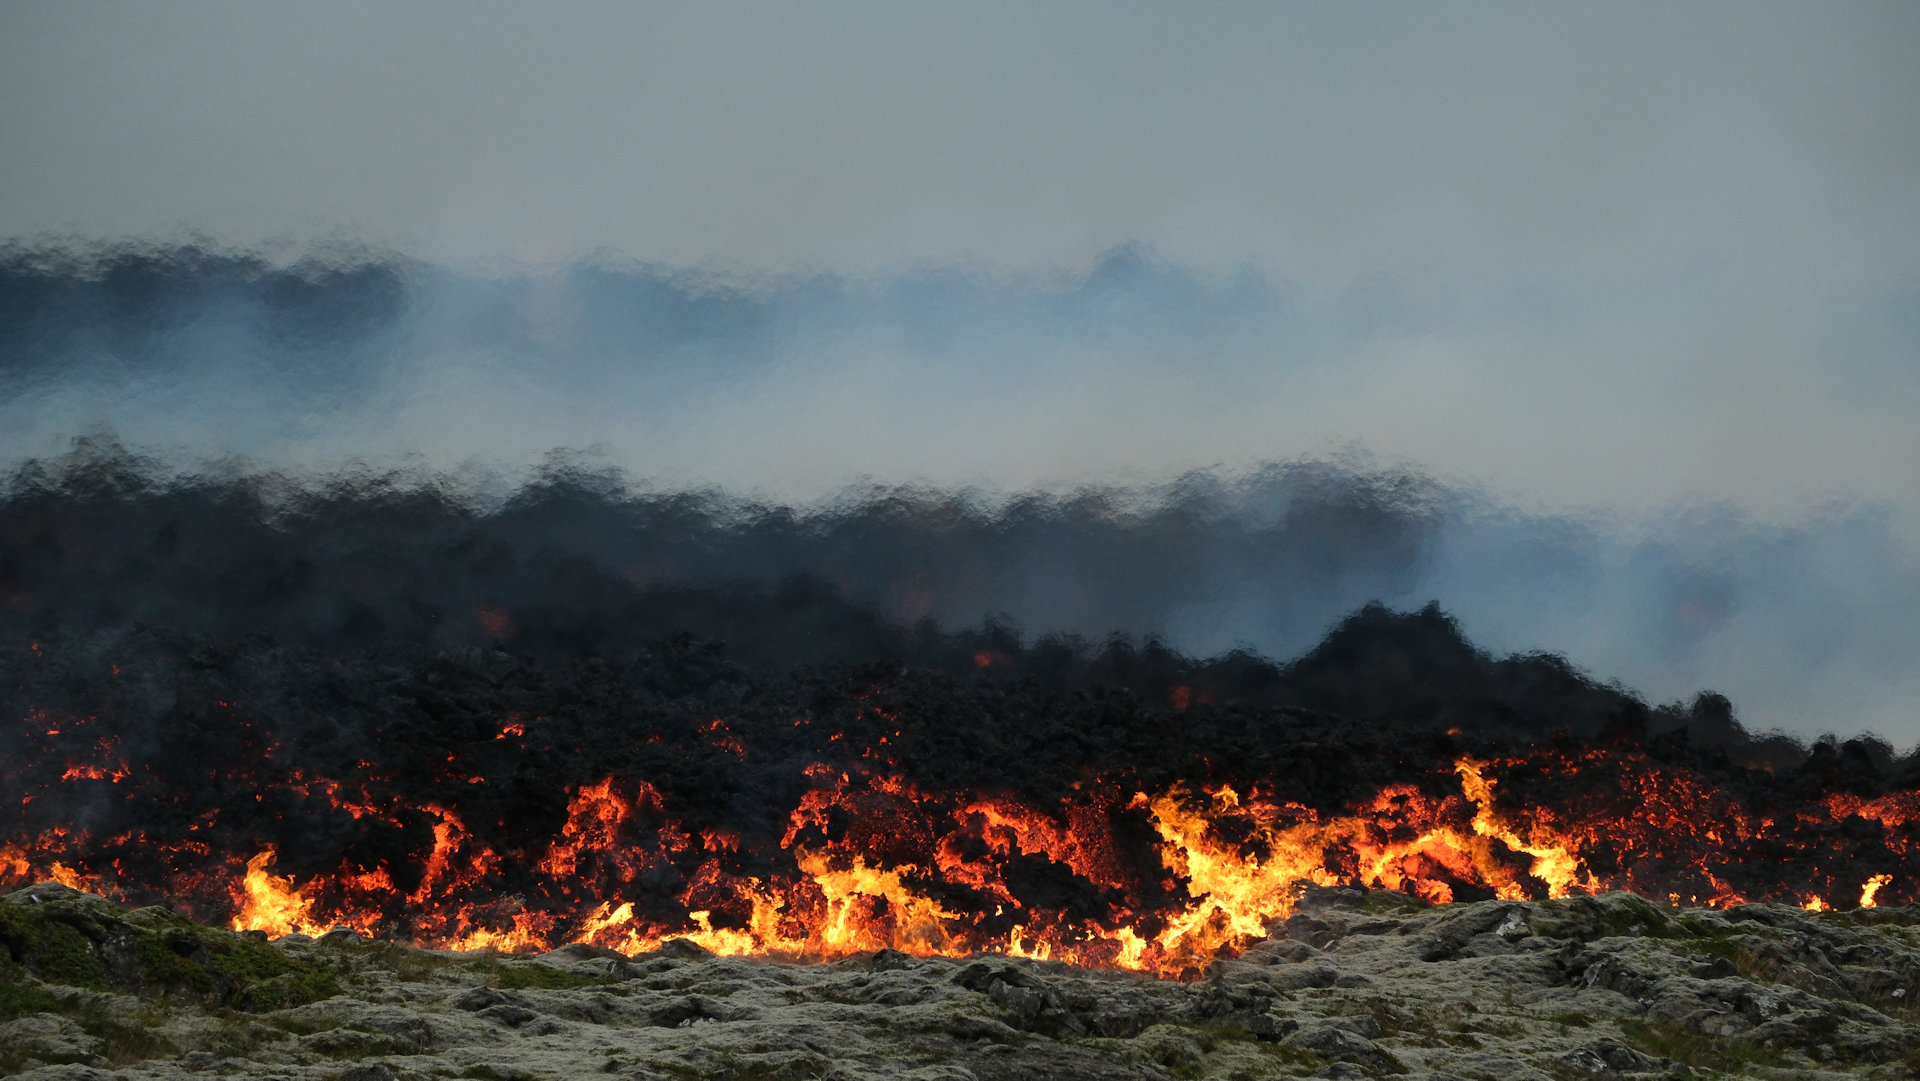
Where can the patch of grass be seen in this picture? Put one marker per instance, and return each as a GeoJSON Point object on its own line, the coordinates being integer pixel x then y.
{"type": "Point", "coordinates": [1570, 1019]}
{"type": "Point", "coordinates": [1698, 1051]}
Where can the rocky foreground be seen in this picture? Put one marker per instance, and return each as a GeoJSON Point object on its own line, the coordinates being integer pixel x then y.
{"type": "Point", "coordinates": [1356, 983]}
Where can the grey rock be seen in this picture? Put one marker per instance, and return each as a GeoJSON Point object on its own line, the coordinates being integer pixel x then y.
{"type": "Point", "coordinates": [508, 1014]}
{"type": "Point", "coordinates": [682, 949]}
{"type": "Point", "coordinates": [974, 1027]}
{"type": "Point", "coordinates": [684, 1010]}
{"type": "Point", "coordinates": [1338, 1042]}
{"type": "Point", "coordinates": [402, 1025]}
{"type": "Point", "coordinates": [1280, 951]}
{"type": "Point", "coordinates": [1300, 977]}
{"type": "Point", "coordinates": [1271, 1028]}
{"type": "Point", "coordinates": [50, 1037]}
{"type": "Point", "coordinates": [1452, 932]}
{"type": "Point", "coordinates": [477, 999]}
{"type": "Point", "coordinates": [1609, 1058]}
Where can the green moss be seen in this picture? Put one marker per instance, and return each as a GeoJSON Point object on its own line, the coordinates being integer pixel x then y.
{"type": "Point", "coordinates": [46, 940]}
{"type": "Point", "coordinates": [176, 955]}
{"type": "Point", "coordinates": [243, 959]}
{"type": "Point", "coordinates": [165, 967]}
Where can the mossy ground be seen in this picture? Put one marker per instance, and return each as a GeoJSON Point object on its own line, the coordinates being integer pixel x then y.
{"type": "Point", "coordinates": [525, 975]}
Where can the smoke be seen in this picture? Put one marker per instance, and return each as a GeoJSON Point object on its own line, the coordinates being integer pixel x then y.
{"type": "Point", "coordinates": [1027, 446]}
{"type": "Point", "coordinates": [1804, 627]}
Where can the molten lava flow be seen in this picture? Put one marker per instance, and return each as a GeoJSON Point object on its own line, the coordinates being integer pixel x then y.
{"type": "Point", "coordinates": [857, 855]}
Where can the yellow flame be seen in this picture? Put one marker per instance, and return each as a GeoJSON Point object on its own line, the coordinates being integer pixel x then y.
{"type": "Point", "coordinates": [271, 903]}
{"type": "Point", "coordinates": [1874, 885]}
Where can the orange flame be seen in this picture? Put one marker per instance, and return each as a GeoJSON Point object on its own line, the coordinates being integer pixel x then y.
{"type": "Point", "coordinates": [272, 904]}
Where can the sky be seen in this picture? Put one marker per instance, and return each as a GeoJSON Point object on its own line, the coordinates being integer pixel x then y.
{"type": "Point", "coordinates": [1647, 270]}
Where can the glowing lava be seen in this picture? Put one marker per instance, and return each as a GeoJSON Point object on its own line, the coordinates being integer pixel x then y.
{"type": "Point", "coordinates": [863, 858]}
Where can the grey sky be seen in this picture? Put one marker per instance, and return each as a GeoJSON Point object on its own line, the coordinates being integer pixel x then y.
{"type": "Point", "coordinates": [1325, 140]}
